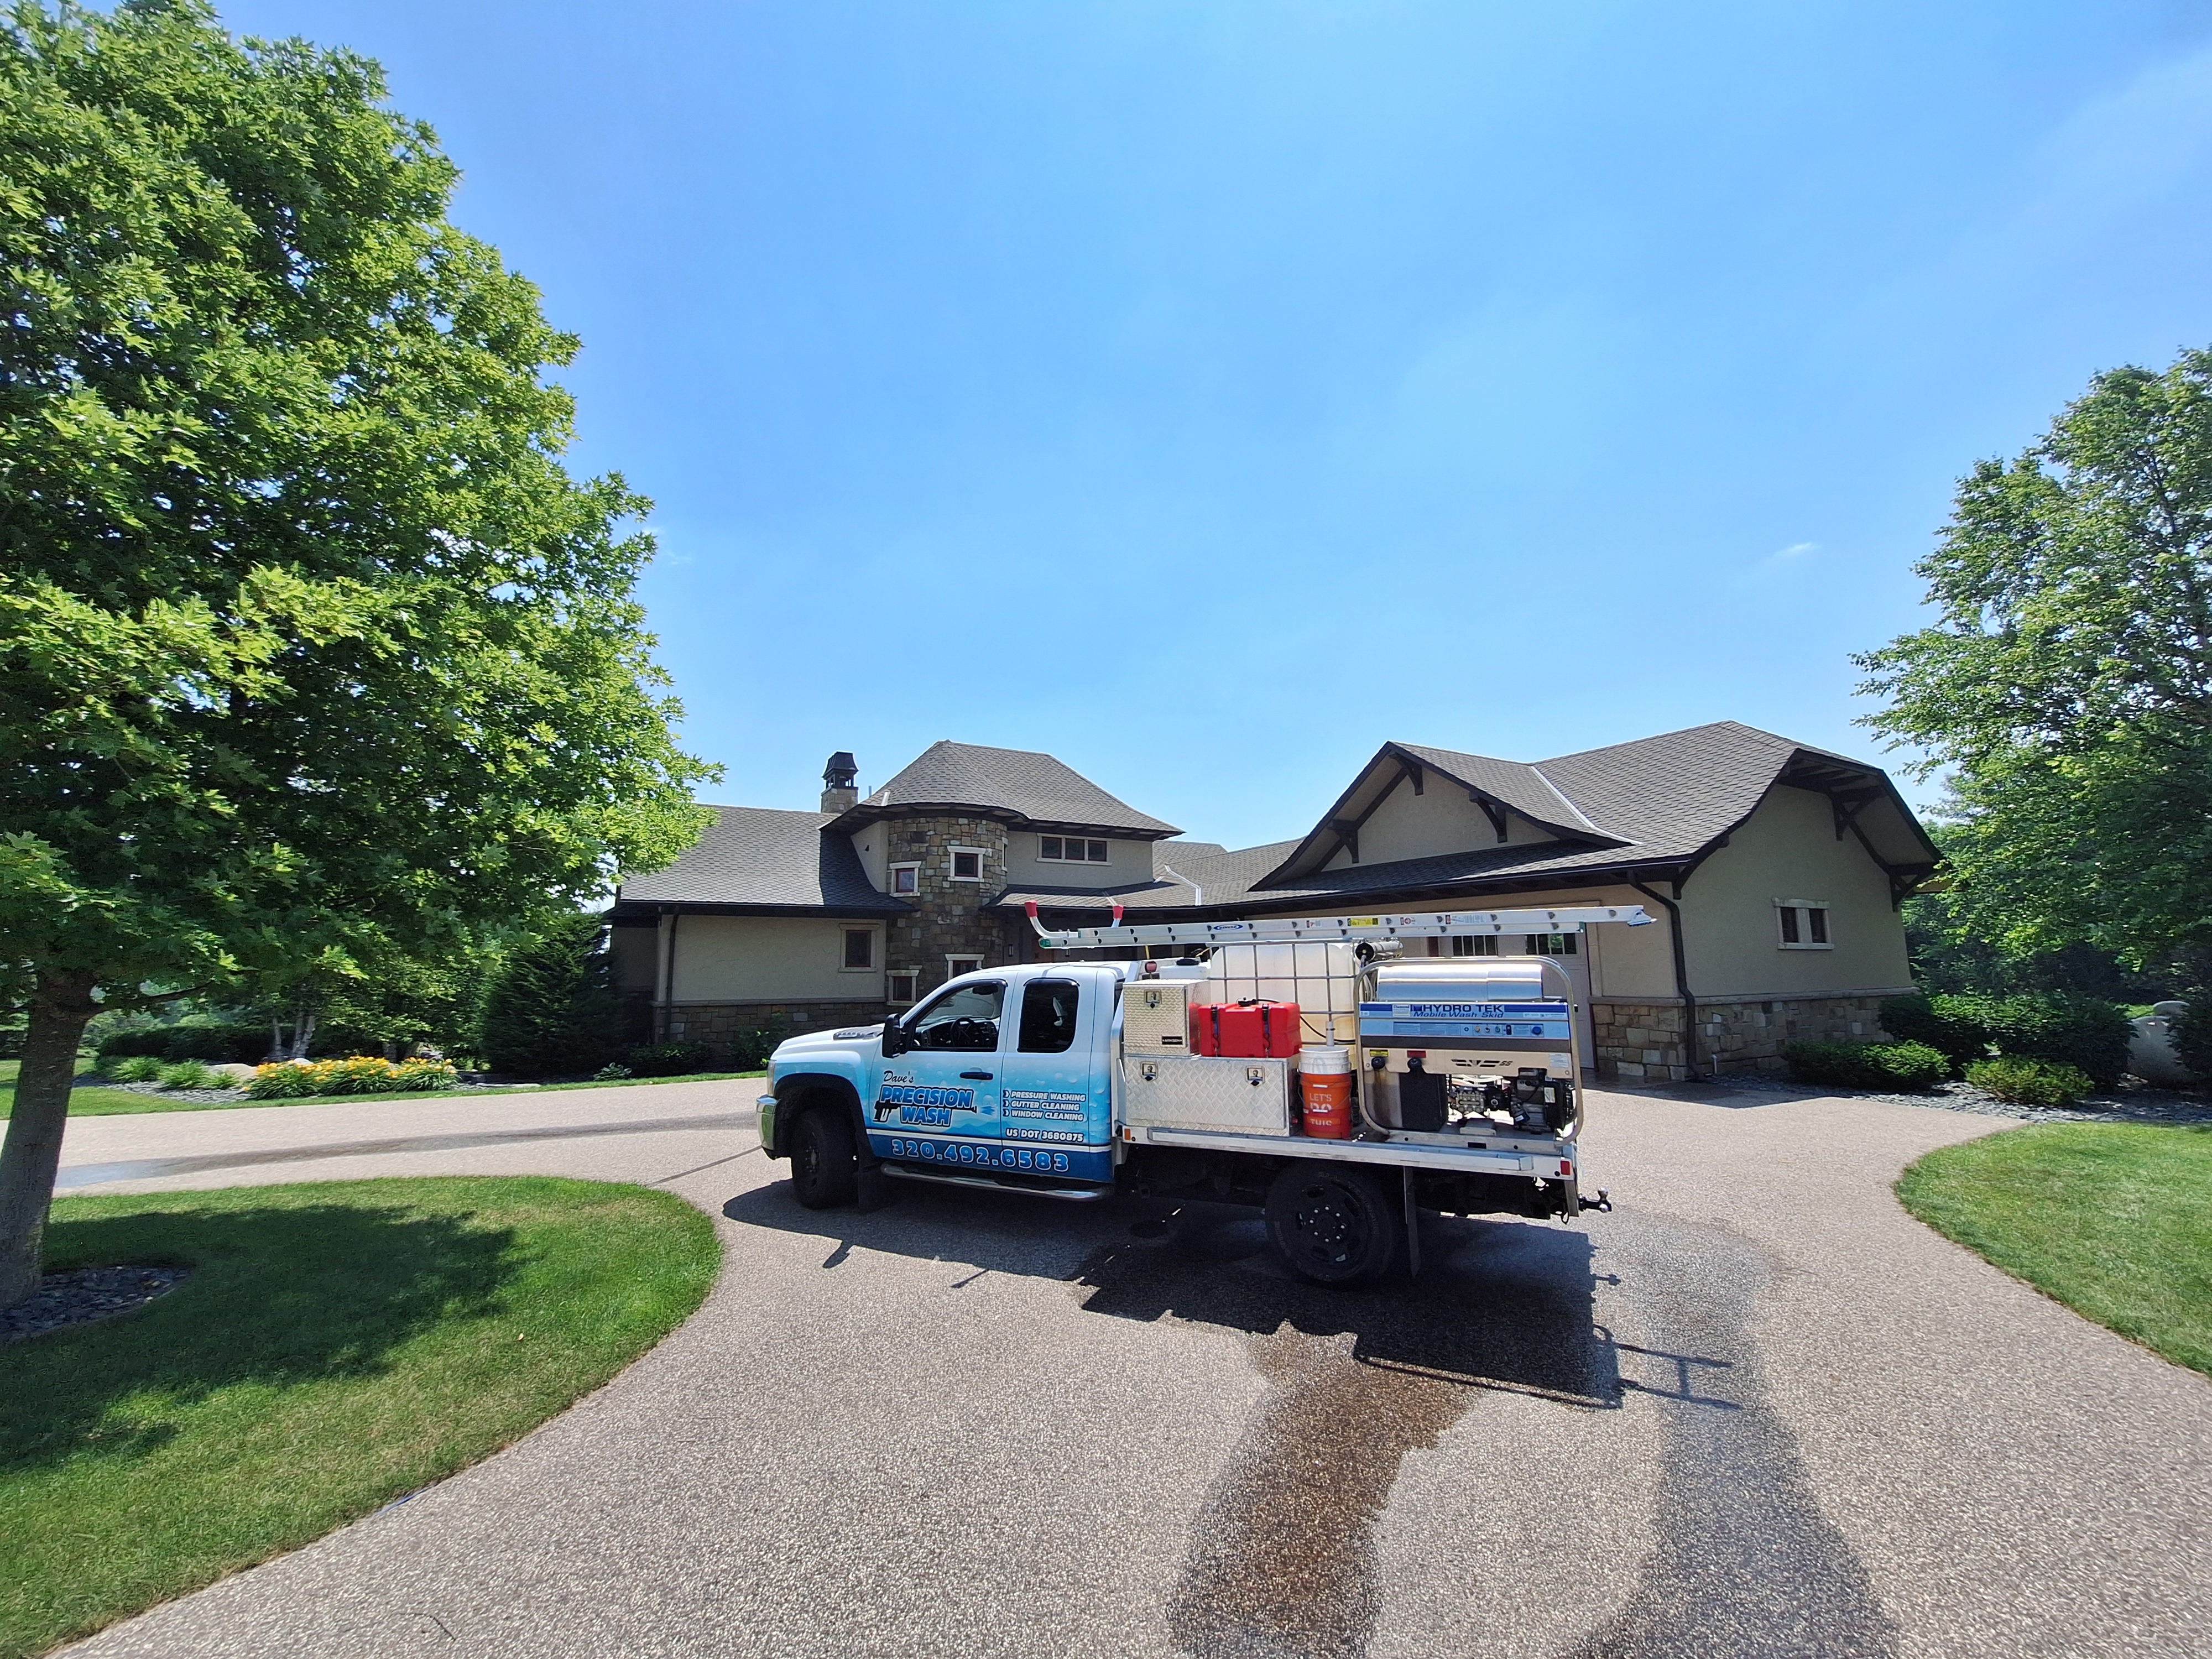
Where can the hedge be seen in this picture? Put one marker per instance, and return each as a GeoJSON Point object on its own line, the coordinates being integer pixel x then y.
{"type": "Point", "coordinates": [236, 1045]}
{"type": "Point", "coordinates": [2089, 1034]}
{"type": "Point", "coordinates": [1912, 1065]}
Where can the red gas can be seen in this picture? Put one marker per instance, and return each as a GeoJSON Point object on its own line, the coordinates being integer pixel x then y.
{"type": "Point", "coordinates": [1246, 1031]}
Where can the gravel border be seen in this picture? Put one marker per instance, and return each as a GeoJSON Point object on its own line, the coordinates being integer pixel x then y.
{"type": "Point", "coordinates": [207, 1096]}
{"type": "Point", "coordinates": [64, 1300]}
{"type": "Point", "coordinates": [2141, 1104]}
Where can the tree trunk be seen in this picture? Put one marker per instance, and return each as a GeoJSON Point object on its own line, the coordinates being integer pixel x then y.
{"type": "Point", "coordinates": [275, 1041]}
{"type": "Point", "coordinates": [303, 1033]}
{"type": "Point", "coordinates": [61, 1006]}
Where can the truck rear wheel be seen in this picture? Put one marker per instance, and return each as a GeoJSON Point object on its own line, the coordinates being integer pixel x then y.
{"type": "Point", "coordinates": [824, 1167]}
{"type": "Point", "coordinates": [1333, 1223]}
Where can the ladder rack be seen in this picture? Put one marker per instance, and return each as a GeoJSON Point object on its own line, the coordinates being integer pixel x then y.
{"type": "Point", "coordinates": [1287, 930]}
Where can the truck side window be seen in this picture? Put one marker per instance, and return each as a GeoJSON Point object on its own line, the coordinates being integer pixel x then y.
{"type": "Point", "coordinates": [965, 1018]}
{"type": "Point", "coordinates": [1048, 1016]}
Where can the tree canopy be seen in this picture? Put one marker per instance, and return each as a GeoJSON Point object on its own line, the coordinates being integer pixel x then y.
{"type": "Point", "coordinates": [310, 650]}
{"type": "Point", "coordinates": [2067, 684]}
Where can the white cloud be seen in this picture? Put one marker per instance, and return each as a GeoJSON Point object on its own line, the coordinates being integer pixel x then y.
{"type": "Point", "coordinates": [1795, 550]}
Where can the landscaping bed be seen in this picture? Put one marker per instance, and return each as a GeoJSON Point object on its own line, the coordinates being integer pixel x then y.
{"type": "Point", "coordinates": [2112, 1220]}
{"type": "Point", "coordinates": [336, 1345]}
{"type": "Point", "coordinates": [94, 1096]}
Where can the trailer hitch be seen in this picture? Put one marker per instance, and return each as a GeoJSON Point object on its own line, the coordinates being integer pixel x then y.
{"type": "Point", "coordinates": [1602, 1203]}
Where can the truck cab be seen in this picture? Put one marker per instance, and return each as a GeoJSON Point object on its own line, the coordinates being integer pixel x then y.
{"type": "Point", "coordinates": [1007, 1077]}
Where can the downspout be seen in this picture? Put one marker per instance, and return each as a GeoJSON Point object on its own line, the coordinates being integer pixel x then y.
{"type": "Point", "coordinates": [668, 977]}
{"type": "Point", "coordinates": [1691, 1057]}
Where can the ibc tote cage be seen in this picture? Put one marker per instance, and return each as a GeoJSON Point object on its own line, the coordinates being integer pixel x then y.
{"type": "Point", "coordinates": [1316, 962]}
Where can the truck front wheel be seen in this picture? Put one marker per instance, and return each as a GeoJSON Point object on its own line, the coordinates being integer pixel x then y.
{"type": "Point", "coordinates": [1333, 1224]}
{"type": "Point", "coordinates": [824, 1167]}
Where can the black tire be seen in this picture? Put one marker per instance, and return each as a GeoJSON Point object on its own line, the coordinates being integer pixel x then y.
{"type": "Point", "coordinates": [1333, 1224]}
{"type": "Point", "coordinates": [825, 1170]}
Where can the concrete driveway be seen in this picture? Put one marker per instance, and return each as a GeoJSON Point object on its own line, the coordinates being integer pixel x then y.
{"type": "Point", "coordinates": [1758, 1409]}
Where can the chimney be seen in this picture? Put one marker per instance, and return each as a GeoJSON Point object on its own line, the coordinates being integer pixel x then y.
{"type": "Point", "coordinates": [838, 792]}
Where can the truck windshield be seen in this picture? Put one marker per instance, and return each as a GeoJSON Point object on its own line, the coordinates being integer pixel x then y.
{"type": "Point", "coordinates": [966, 1017]}
{"type": "Point", "coordinates": [1049, 1016]}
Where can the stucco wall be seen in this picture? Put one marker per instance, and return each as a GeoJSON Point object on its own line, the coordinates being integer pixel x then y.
{"type": "Point", "coordinates": [1440, 819]}
{"type": "Point", "coordinates": [771, 959]}
{"type": "Point", "coordinates": [873, 845]}
{"type": "Point", "coordinates": [1127, 863]}
{"type": "Point", "coordinates": [1787, 849]}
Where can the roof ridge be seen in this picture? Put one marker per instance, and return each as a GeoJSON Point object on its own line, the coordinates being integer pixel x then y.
{"type": "Point", "coordinates": [1657, 737]}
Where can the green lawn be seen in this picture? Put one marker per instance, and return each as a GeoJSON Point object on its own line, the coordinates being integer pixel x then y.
{"type": "Point", "coordinates": [339, 1344]}
{"type": "Point", "coordinates": [88, 1101]}
{"type": "Point", "coordinates": [2114, 1219]}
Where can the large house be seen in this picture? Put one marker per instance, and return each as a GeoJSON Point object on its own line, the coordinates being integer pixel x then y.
{"type": "Point", "coordinates": [1775, 872]}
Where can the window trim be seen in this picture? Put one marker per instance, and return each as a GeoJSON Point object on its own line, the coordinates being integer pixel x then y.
{"type": "Point", "coordinates": [894, 889]}
{"type": "Point", "coordinates": [1086, 842]}
{"type": "Point", "coordinates": [1804, 941]}
{"type": "Point", "coordinates": [969, 957]}
{"type": "Point", "coordinates": [845, 950]}
{"type": "Point", "coordinates": [892, 978]}
{"type": "Point", "coordinates": [952, 862]}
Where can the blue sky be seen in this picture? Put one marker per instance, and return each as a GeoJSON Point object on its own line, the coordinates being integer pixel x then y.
{"type": "Point", "coordinates": [1206, 392]}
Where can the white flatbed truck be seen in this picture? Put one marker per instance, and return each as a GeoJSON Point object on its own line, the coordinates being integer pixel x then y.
{"type": "Point", "coordinates": [1078, 1079]}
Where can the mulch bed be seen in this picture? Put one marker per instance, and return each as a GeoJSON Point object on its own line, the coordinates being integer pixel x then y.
{"type": "Point", "coordinates": [90, 1293]}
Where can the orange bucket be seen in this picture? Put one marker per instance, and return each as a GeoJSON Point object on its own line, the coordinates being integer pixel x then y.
{"type": "Point", "coordinates": [1325, 1092]}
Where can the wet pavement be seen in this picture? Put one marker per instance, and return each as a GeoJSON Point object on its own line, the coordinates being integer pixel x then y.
{"type": "Point", "coordinates": [1756, 1411]}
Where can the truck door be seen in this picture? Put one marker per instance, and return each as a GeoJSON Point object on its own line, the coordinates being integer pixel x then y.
{"type": "Point", "coordinates": [939, 1101]}
{"type": "Point", "coordinates": [1058, 1098]}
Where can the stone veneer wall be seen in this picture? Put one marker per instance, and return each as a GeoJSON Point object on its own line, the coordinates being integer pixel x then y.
{"type": "Point", "coordinates": [948, 917]}
{"type": "Point", "coordinates": [720, 1024]}
{"type": "Point", "coordinates": [1641, 1042]}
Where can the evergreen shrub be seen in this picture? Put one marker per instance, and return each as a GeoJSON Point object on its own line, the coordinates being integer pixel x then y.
{"type": "Point", "coordinates": [2192, 1036]}
{"type": "Point", "coordinates": [2090, 1036]}
{"type": "Point", "coordinates": [1950, 1025]}
{"type": "Point", "coordinates": [2030, 1082]}
{"type": "Point", "coordinates": [231, 1043]}
{"type": "Point", "coordinates": [1902, 1065]}
{"type": "Point", "coordinates": [553, 1011]}
{"type": "Point", "coordinates": [669, 1058]}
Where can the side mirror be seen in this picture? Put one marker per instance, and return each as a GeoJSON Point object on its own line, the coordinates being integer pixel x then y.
{"type": "Point", "coordinates": [895, 1040]}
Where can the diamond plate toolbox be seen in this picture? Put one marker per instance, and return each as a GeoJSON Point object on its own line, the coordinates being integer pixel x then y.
{"type": "Point", "coordinates": [1195, 1091]}
{"type": "Point", "coordinates": [1156, 1019]}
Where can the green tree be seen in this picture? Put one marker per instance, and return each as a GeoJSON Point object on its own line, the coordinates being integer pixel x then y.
{"type": "Point", "coordinates": [2066, 685]}
{"type": "Point", "coordinates": [553, 1011]}
{"type": "Point", "coordinates": [311, 651]}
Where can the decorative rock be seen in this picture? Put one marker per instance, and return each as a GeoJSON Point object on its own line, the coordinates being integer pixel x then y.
{"type": "Point", "coordinates": [91, 1293]}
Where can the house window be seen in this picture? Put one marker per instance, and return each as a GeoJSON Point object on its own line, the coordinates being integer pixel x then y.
{"type": "Point", "coordinates": [1553, 945]}
{"type": "Point", "coordinates": [859, 947]}
{"type": "Point", "coordinates": [955, 966]}
{"type": "Point", "coordinates": [899, 986]}
{"type": "Point", "coordinates": [1480, 945]}
{"type": "Point", "coordinates": [1801, 925]}
{"type": "Point", "coordinates": [1071, 849]}
{"type": "Point", "coordinates": [967, 864]}
{"type": "Point", "coordinates": [906, 879]}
